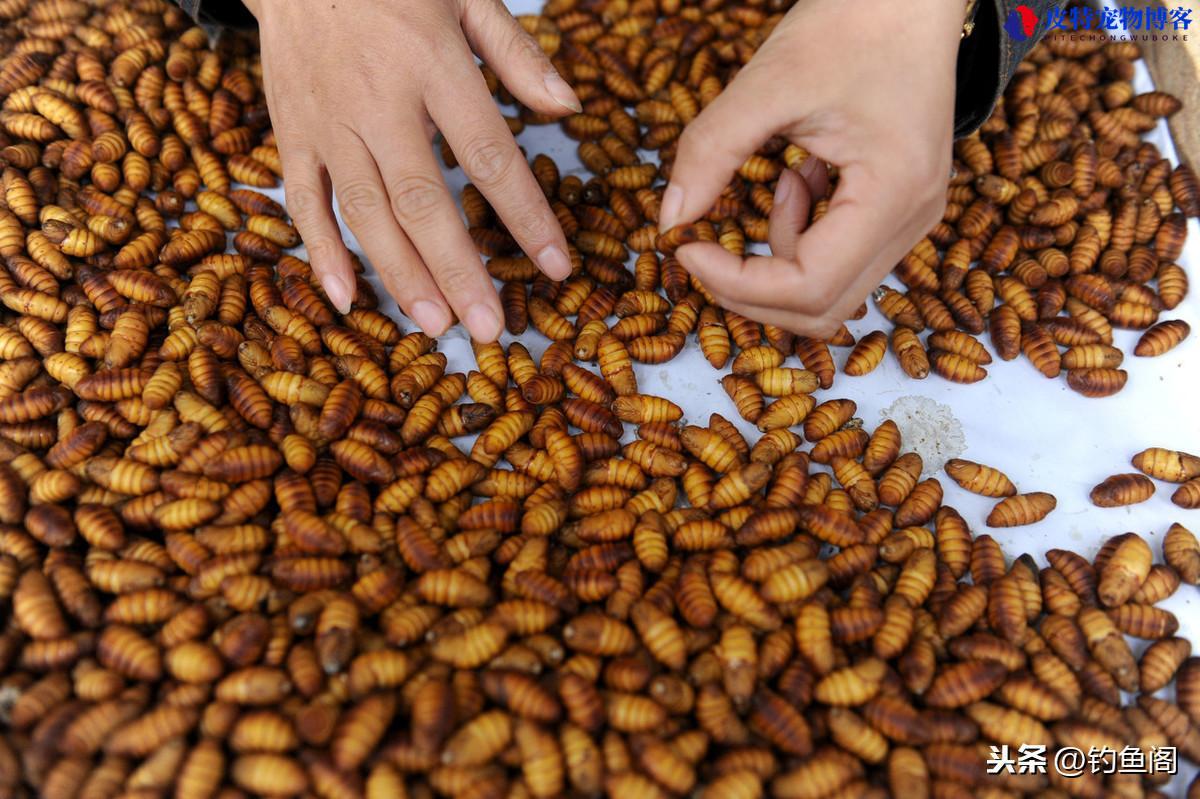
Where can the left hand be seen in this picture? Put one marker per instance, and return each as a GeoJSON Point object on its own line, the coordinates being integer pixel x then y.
{"type": "Point", "coordinates": [355, 90]}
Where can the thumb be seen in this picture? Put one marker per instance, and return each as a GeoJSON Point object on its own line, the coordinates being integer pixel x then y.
{"type": "Point", "coordinates": [789, 214]}
{"type": "Point", "coordinates": [713, 146]}
{"type": "Point", "coordinates": [796, 192]}
{"type": "Point", "coordinates": [498, 38]}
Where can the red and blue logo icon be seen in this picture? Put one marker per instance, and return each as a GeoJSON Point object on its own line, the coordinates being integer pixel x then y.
{"type": "Point", "coordinates": [1021, 23]}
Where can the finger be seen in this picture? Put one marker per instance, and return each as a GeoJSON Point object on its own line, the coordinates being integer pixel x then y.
{"type": "Point", "coordinates": [422, 205]}
{"type": "Point", "coordinates": [307, 194]}
{"type": "Point", "coordinates": [490, 157]}
{"type": "Point", "coordinates": [795, 194]}
{"type": "Point", "coordinates": [713, 146]}
{"type": "Point", "coordinates": [764, 281]}
{"type": "Point", "coordinates": [516, 58]}
{"type": "Point", "coordinates": [770, 283]}
{"type": "Point", "coordinates": [364, 205]}
{"type": "Point", "coordinates": [821, 327]}
{"type": "Point", "coordinates": [789, 214]}
{"type": "Point", "coordinates": [829, 257]}
{"type": "Point", "coordinates": [816, 175]}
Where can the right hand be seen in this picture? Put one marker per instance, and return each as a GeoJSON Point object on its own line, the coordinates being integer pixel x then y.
{"type": "Point", "coordinates": [867, 86]}
{"type": "Point", "coordinates": [356, 92]}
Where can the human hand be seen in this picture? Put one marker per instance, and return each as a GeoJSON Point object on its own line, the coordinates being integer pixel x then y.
{"type": "Point", "coordinates": [355, 91]}
{"type": "Point", "coordinates": [866, 86]}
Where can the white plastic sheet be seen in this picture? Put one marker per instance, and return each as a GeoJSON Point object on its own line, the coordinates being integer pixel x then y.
{"type": "Point", "coordinates": [1043, 435]}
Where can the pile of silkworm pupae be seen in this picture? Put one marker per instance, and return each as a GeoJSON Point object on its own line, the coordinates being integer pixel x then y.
{"type": "Point", "coordinates": [253, 547]}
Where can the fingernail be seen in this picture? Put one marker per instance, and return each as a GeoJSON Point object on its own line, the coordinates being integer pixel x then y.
{"type": "Point", "coordinates": [811, 167]}
{"type": "Point", "coordinates": [338, 292]}
{"type": "Point", "coordinates": [562, 92]}
{"type": "Point", "coordinates": [430, 317]}
{"type": "Point", "coordinates": [554, 262]}
{"type": "Point", "coordinates": [672, 207]}
{"type": "Point", "coordinates": [482, 322]}
{"type": "Point", "coordinates": [784, 190]}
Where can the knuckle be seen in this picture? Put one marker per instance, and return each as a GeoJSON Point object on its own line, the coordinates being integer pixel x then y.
{"type": "Point", "coordinates": [302, 199]}
{"type": "Point", "coordinates": [435, 36]}
{"type": "Point", "coordinates": [322, 249]}
{"type": "Point", "coordinates": [400, 280]}
{"type": "Point", "coordinates": [447, 38]}
{"type": "Point", "coordinates": [817, 300]}
{"type": "Point", "coordinates": [935, 210]}
{"type": "Point", "coordinates": [318, 246]}
{"type": "Point", "coordinates": [489, 159]}
{"type": "Point", "coordinates": [414, 198]}
{"type": "Point", "coordinates": [522, 45]}
{"type": "Point", "coordinates": [928, 199]}
{"type": "Point", "coordinates": [822, 328]}
{"type": "Point", "coordinates": [423, 28]}
{"type": "Point", "coordinates": [807, 306]}
{"type": "Point", "coordinates": [456, 282]}
{"type": "Point", "coordinates": [358, 199]}
{"type": "Point", "coordinates": [401, 271]}
{"type": "Point", "coordinates": [530, 227]}
{"type": "Point", "coordinates": [695, 139]}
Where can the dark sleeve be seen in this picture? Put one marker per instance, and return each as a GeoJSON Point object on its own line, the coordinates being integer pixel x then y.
{"type": "Point", "coordinates": [989, 56]}
{"type": "Point", "coordinates": [228, 13]}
